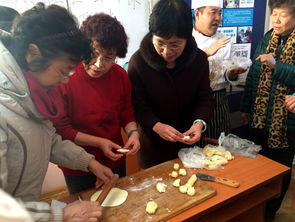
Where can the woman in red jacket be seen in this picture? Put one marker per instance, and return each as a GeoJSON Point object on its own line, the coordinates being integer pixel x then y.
{"type": "Point", "coordinates": [97, 100]}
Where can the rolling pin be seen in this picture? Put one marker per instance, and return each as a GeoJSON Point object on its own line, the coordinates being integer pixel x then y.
{"type": "Point", "coordinates": [107, 189]}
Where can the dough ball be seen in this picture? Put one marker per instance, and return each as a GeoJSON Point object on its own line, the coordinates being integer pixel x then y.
{"type": "Point", "coordinates": [176, 166]}
{"type": "Point", "coordinates": [174, 174]}
{"type": "Point", "coordinates": [183, 189]}
{"type": "Point", "coordinates": [191, 181]}
{"type": "Point", "coordinates": [191, 191]}
{"type": "Point", "coordinates": [182, 172]}
{"type": "Point", "coordinates": [176, 183]}
{"type": "Point", "coordinates": [151, 207]}
{"type": "Point", "coordinates": [161, 187]}
{"type": "Point", "coordinates": [122, 150]}
{"type": "Point", "coordinates": [186, 137]}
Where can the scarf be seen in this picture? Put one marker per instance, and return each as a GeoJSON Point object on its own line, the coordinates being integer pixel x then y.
{"type": "Point", "coordinates": [277, 137]}
{"type": "Point", "coordinates": [48, 102]}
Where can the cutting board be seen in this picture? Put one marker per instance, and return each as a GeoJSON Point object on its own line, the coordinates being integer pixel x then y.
{"type": "Point", "coordinates": [141, 188]}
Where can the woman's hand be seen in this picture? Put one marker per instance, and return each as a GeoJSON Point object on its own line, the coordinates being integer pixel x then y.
{"type": "Point", "coordinates": [108, 148]}
{"type": "Point", "coordinates": [167, 132]}
{"type": "Point", "coordinates": [103, 173]}
{"type": "Point", "coordinates": [84, 211]}
{"type": "Point", "coordinates": [268, 59]}
{"type": "Point", "coordinates": [194, 133]}
{"type": "Point", "coordinates": [290, 103]}
{"type": "Point", "coordinates": [133, 143]}
{"type": "Point", "coordinates": [220, 43]}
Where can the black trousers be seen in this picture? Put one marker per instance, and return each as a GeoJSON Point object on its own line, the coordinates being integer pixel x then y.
{"type": "Point", "coordinates": [285, 156]}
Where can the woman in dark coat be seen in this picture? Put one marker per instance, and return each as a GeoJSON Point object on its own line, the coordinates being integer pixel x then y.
{"type": "Point", "coordinates": [170, 84]}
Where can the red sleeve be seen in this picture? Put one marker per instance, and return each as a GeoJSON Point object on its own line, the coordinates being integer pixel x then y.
{"type": "Point", "coordinates": [62, 124]}
{"type": "Point", "coordinates": [126, 109]}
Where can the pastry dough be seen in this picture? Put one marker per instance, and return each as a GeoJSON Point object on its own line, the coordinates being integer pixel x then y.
{"type": "Point", "coordinates": [174, 174]}
{"type": "Point", "coordinates": [191, 191]}
{"type": "Point", "coordinates": [176, 166]}
{"type": "Point", "coordinates": [115, 197]}
{"type": "Point", "coordinates": [161, 187]}
{"type": "Point", "coordinates": [122, 150]}
{"type": "Point", "coordinates": [182, 172]}
{"type": "Point", "coordinates": [183, 189]}
{"type": "Point", "coordinates": [176, 183]}
{"type": "Point", "coordinates": [151, 207]}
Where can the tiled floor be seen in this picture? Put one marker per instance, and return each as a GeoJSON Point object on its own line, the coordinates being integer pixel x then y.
{"type": "Point", "coordinates": [287, 210]}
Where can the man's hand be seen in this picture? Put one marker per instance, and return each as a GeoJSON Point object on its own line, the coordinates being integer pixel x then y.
{"type": "Point", "coordinates": [220, 43]}
{"type": "Point", "coordinates": [167, 132]}
{"type": "Point", "coordinates": [84, 211]}
{"type": "Point", "coordinates": [268, 59]}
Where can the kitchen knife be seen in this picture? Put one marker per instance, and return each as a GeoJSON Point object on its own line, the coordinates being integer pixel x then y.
{"type": "Point", "coordinates": [225, 181]}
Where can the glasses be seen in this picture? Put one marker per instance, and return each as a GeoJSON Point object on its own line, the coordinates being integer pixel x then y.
{"type": "Point", "coordinates": [172, 46]}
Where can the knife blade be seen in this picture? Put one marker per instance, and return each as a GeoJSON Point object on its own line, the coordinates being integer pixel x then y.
{"type": "Point", "coordinates": [225, 181]}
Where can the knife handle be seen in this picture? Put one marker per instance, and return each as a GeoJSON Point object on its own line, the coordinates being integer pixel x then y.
{"type": "Point", "coordinates": [107, 189]}
{"type": "Point", "coordinates": [225, 181]}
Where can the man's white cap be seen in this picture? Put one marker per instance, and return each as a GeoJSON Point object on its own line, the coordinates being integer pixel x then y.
{"type": "Point", "coordinates": [202, 3]}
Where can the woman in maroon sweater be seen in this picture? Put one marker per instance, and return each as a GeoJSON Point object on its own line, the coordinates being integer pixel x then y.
{"type": "Point", "coordinates": [97, 100]}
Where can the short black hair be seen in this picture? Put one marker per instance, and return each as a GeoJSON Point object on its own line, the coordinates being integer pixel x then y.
{"type": "Point", "coordinates": [54, 30]}
{"type": "Point", "coordinates": [7, 16]}
{"type": "Point", "coordinates": [107, 31]}
{"type": "Point", "coordinates": [171, 17]}
{"type": "Point", "coordinates": [290, 4]}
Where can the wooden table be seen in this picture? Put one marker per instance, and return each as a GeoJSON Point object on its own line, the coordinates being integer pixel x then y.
{"type": "Point", "coordinates": [260, 180]}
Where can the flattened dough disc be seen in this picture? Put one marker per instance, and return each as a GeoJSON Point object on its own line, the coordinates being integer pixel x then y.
{"type": "Point", "coordinates": [115, 197]}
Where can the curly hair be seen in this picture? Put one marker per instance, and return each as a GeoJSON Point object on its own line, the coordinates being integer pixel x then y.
{"type": "Point", "coordinates": [171, 17]}
{"type": "Point", "coordinates": [107, 31]}
{"type": "Point", "coordinates": [54, 30]}
{"type": "Point", "coordinates": [290, 4]}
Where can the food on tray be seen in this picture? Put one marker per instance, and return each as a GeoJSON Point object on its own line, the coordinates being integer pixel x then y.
{"type": "Point", "coordinates": [191, 191]}
{"type": "Point", "coordinates": [114, 198]}
{"type": "Point", "coordinates": [174, 174]}
{"type": "Point", "coordinates": [176, 166]}
{"type": "Point", "coordinates": [151, 207]}
{"type": "Point", "coordinates": [161, 187]}
{"type": "Point", "coordinates": [176, 183]}
{"type": "Point", "coordinates": [182, 172]}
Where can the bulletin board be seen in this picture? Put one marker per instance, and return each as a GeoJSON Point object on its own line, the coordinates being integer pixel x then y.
{"type": "Point", "coordinates": [243, 20]}
{"type": "Point", "coordinates": [133, 14]}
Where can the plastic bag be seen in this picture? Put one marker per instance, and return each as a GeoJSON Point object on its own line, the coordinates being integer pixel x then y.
{"type": "Point", "coordinates": [196, 158]}
{"type": "Point", "coordinates": [192, 157]}
{"type": "Point", "coordinates": [239, 146]}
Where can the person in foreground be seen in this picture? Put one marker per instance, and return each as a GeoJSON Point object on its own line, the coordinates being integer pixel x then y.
{"type": "Point", "coordinates": [44, 46]}
{"type": "Point", "coordinates": [171, 92]}
{"type": "Point", "coordinates": [219, 49]}
{"type": "Point", "coordinates": [269, 80]}
{"type": "Point", "coordinates": [98, 102]}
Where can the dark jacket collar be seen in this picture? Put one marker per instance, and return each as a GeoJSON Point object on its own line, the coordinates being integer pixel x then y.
{"type": "Point", "coordinates": [154, 60]}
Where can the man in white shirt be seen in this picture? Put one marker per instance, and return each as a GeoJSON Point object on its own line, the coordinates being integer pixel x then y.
{"type": "Point", "coordinates": [218, 47]}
